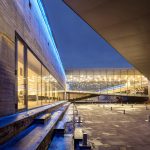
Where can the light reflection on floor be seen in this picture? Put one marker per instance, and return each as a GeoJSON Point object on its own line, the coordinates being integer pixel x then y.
{"type": "Point", "coordinates": [114, 130]}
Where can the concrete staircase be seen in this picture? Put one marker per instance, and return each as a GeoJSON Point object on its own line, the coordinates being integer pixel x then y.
{"type": "Point", "coordinates": [37, 133]}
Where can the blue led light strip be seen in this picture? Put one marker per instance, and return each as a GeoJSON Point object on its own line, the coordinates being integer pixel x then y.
{"type": "Point", "coordinates": [50, 33]}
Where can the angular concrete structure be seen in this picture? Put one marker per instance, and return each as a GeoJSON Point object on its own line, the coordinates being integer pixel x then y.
{"type": "Point", "coordinates": [124, 24]}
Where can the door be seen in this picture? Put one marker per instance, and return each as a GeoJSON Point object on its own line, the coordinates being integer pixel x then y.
{"type": "Point", "coordinates": [21, 75]}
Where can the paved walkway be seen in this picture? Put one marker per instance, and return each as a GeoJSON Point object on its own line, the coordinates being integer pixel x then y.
{"type": "Point", "coordinates": [113, 130]}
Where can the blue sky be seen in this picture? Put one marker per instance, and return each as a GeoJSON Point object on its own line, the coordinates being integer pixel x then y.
{"type": "Point", "coordinates": [78, 44]}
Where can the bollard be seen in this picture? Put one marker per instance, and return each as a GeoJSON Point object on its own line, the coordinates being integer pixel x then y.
{"type": "Point", "coordinates": [84, 145]}
{"type": "Point", "coordinates": [76, 112]}
{"type": "Point", "coordinates": [79, 119]}
{"type": "Point", "coordinates": [146, 107]}
{"type": "Point", "coordinates": [148, 118]}
{"type": "Point", "coordinates": [111, 108]}
{"type": "Point", "coordinates": [131, 106]}
{"type": "Point", "coordinates": [122, 104]}
{"type": "Point", "coordinates": [84, 139]}
{"type": "Point", "coordinates": [124, 112]}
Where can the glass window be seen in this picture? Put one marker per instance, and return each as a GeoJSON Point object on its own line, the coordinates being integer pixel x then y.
{"type": "Point", "coordinates": [123, 81]}
{"type": "Point", "coordinates": [45, 86]}
{"type": "Point", "coordinates": [144, 85]}
{"type": "Point", "coordinates": [103, 81]}
{"type": "Point", "coordinates": [56, 90]}
{"type": "Point", "coordinates": [21, 75]}
{"type": "Point", "coordinates": [131, 82]}
{"type": "Point", "coordinates": [110, 80]}
{"type": "Point", "coordinates": [34, 81]}
{"type": "Point", "coordinates": [51, 88]}
{"type": "Point", "coordinates": [60, 92]}
{"type": "Point", "coordinates": [40, 88]}
{"type": "Point", "coordinates": [137, 82]}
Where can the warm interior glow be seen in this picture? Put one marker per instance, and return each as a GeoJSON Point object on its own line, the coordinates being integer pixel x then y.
{"type": "Point", "coordinates": [110, 81]}
{"type": "Point", "coordinates": [42, 88]}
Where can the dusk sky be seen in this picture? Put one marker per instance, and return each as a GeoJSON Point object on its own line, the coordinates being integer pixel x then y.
{"type": "Point", "coordinates": [78, 44]}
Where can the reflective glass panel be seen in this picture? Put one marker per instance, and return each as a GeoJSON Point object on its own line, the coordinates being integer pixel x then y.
{"type": "Point", "coordinates": [34, 81]}
{"type": "Point", "coordinates": [21, 75]}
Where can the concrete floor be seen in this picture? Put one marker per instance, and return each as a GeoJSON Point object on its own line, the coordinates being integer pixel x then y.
{"type": "Point", "coordinates": [113, 130]}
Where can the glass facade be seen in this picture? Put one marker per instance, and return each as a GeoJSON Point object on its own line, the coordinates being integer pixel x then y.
{"type": "Point", "coordinates": [108, 81]}
{"type": "Point", "coordinates": [36, 85]}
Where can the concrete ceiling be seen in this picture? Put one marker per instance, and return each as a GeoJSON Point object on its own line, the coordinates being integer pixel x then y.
{"type": "Point", "coordinates": [125, 24]}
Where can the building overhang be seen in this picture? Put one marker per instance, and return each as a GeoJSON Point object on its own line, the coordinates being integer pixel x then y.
{"type": "Point", "coordinates": [124, 24]}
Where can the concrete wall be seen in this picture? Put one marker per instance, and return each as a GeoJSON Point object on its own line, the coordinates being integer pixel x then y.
{"type": "Point", "coordinates": [17, 16]}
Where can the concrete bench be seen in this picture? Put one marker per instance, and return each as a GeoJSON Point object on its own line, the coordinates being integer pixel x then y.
{"type": "Point", "coordinates": [37, 136]}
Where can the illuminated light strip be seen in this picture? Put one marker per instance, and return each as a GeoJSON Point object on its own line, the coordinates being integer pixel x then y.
{"type": "Point", "coordinates": [50, 34]}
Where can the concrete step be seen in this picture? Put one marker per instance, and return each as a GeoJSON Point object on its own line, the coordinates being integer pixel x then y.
{"type": "Point", "coordinates": [14, 124]}
{"type": "Point", "coordinates": [60, 128]}
{"type": "Point", "coordinates": [42, 119]}
{"type": "Point", "coordinates": [68, 117]}
{"type": "Point", "coordinates": [37, 136]}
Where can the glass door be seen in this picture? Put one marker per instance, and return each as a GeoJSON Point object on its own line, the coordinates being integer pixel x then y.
{"type": "Point", "coordinates": [21, 75]}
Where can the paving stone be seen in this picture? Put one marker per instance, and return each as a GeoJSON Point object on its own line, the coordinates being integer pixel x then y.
{"type": "Point", "coordinates": [113, 130]}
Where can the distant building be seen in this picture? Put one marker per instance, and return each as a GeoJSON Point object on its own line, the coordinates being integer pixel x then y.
{"type": "Point", "coordinates": [113, 81]}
